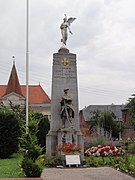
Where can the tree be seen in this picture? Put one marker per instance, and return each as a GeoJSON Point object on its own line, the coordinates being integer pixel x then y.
{"type": "Point", "coordinates": [43, 129]}
{"type": "Point", "coordinates": [10, 132]}
{"type": "Point", "coordinates": [131, 106]}
{"type": "Point", "coordinates": [38, 125]}
{"type": "Point", "coordinates": [117, 128]}
{"type": "Point", "coordinates": [30, 146]}
{"type": "Point", "coordinates": [105, 120]}
{"type": "Point", "coordinates": [17, 109]}
{"type": "Point", "coordinates": [95, 121]}
{"type": "Point", "coordinates": [30, 149]}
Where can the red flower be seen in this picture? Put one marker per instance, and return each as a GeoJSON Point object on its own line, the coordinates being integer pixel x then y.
{"type": "Point", "coordinates": [105, 151]}
{"type": "Point", "coordinates": [68, 147]}
{"type": "Point", "coordinates": [112, 147]}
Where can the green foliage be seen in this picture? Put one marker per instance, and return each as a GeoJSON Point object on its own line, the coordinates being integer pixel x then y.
{"type": "Point", "coordinates": [39, 125]}
{"type": "Point", "coordinates": [105, 120]}
{"type": "Point", "coordinates": [31, 150]}
{"type": "Point", "coordinates": [9, 133]}
{"type": "Point", "coordinates": [31, 168]}
{"type": "Point", "coordinates": [117, 127]}
{"type": "Point", "coordinates": [43, 129]}
{"type": "Point", "coordinates": [29, 146]}
{"type": "Point", "coordinates": [97, 161]}
{"type": "Point", "coordinates": [95, 121]}
{"type": "Point", "coordinates": [131, 106]}
{"type": "Point", "coordinates": [131, 147]}
{"type": "Point", "coordinates": [50, 161]}
{"type": "Point", "coordinates": [124, 163]}
{"type": "Point", "coordinates": [92, 162]}
{"type": "Point", "coordinates": [18, 110]}
{"type": "Point", "coordinates": [96, 142]}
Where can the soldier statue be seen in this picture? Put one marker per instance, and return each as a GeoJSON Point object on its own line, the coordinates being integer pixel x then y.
{"type": "Point", "coordinates": [67, 110]}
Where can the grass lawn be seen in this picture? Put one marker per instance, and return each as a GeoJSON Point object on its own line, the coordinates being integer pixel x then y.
{"type": "Point", "coordinates": [10, 168]}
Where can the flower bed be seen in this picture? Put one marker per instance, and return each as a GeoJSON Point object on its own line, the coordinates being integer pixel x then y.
{"type": "Point", "coordinates": [68, 148]}
{"type": "Point", "coordinates": [103, 150]}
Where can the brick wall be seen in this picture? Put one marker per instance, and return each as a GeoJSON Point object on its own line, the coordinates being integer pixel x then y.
{"type": "Point", "coordinates": [128, 133]}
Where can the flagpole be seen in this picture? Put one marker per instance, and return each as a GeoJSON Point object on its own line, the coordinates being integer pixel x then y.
{"type": "Point", "coordinates": [27, 65]}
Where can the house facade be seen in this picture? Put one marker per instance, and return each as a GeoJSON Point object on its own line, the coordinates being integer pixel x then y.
{"type": "Point", "coordinates": [121, 113]}
{"type": "Point", "coordinates": [13, 92]}
{"type": "Point", "coordinates": [129, 131]}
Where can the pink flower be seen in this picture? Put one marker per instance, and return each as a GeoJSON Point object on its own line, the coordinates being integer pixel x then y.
{"type": "Point", "coordinates": [104, 151]}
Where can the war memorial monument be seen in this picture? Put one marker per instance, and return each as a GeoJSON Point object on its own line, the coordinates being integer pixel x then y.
{"type": "Point", "coordinates": [64, 125]}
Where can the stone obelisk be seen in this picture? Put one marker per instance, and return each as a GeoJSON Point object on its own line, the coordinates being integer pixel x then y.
{"type": "Point", "coordinates": [64, 125]}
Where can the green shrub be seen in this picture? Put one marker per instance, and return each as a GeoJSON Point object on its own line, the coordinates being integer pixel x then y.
{"type": "Point", "coordinates": [29, 146]}
{"type": "Point", "coordinates": [124, 163]}
{"type": "Point", "coordinates": [31, 168]}
{"type": "Point", "coordinates": [30, 150]}
{"type": "Point", "coordinates": [131, 147]}
{"type": "Point", "coordinates": [48, 161]}
{"type": "Point", "coordinates": [92, 162]}
{"type": "Point", "coordinates": [39, 125]}
{"type": "Point", "coordinates": [43, 128]}
{"type": "Point", "coordinates": [34, 151]}
{"type": "Point", "coordinates": [9, 133]}
{"type": "Point", "coordinates": [98, 141]}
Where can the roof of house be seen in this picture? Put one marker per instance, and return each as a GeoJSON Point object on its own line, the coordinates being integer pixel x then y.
{"type": "Point", "coordinates": [13, 83]}
{"type": "Point", "coordinates": [2, 90]}
{"type": "Point", "coordinates": [36, 93]}
{"type": "Point", "coordinates": [116, 109]}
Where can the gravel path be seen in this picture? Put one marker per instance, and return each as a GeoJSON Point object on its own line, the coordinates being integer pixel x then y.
{"type": "Point", "coordinates": [101, 173]}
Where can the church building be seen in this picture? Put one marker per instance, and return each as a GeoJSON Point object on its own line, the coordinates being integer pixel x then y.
{"type": "Point", "coordinates": [13, 92]}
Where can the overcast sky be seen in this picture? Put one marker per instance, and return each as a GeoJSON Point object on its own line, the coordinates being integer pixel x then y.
{"type": "Point", "coordinates": [103, 39]}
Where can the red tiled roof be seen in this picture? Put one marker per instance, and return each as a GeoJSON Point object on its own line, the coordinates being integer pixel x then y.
{"type": "Point", "coordinates": [2, 89]}
{"type": "Point", "coordinates": [36, 94]}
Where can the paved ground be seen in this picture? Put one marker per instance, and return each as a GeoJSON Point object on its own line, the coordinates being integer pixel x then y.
{"type": "Point", "coordinates": [101, 173]}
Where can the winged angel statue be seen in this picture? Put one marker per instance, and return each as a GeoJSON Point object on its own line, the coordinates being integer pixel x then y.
{"type": "Point", "coordinates": [64, 26]}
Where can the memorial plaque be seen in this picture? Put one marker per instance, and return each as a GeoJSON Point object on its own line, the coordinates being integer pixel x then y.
{"type": "Point", "coordinates": [72, 160]}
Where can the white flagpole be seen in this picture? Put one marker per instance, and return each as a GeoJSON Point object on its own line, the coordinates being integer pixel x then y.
{"type": "Point", "coordinates": [27, 65]}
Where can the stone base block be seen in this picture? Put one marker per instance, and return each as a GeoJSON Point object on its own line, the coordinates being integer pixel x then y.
{"type": "Point", "coordinates": [51, 142]}
{"type": "Point", "coordinates": [54, 138]}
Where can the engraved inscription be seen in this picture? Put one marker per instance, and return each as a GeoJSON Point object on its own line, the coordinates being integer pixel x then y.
{"type": "Point", "coordinates": [64, 72]}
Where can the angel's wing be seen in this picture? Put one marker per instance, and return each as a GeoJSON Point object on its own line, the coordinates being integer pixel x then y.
{"type": "Point", "coordinates": [70, 20]}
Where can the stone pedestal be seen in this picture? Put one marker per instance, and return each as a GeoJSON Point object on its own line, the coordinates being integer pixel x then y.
{"type": "Point", "coordinates": [64, 76]}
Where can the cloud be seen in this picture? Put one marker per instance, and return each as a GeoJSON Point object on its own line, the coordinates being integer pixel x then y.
{"type": "Point", "coordinates": [103, 39]}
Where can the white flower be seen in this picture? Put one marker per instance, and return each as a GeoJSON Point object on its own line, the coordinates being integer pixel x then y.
{"type": "Point", "coordinates": [97, 153]}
